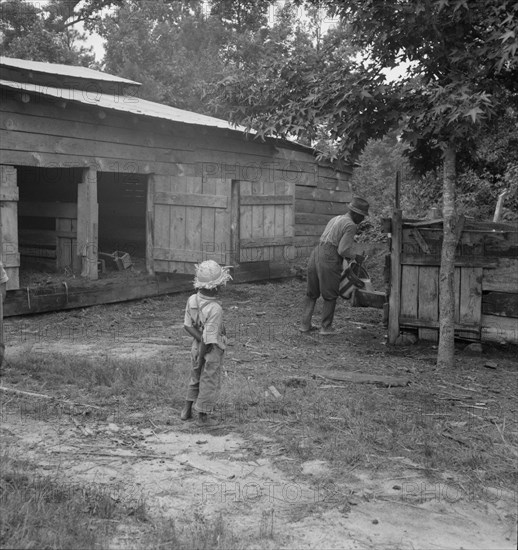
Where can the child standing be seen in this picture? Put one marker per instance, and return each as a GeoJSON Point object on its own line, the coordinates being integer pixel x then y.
{"type": "Point", "coordinates": [204, 322]}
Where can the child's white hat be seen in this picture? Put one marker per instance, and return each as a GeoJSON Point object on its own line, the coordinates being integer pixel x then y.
{"type": "Point", "coordinates": [209, 274]}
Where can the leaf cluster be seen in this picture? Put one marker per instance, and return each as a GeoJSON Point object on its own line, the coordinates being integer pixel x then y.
{"type": "Point", "coordinates": [42, 32]}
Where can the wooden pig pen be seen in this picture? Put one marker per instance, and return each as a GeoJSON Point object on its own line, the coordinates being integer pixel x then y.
{"type": "Point", "coordinates": [87, 169]}
{"type": "Point", "coordinates": [486, 280]}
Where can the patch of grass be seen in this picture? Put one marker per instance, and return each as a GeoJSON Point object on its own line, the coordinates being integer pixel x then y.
{"type": "Point", "coordinates": [102, 378]}
{"type": "Point", "coordinates": [40, 512]}
{"type": "Point", "coordinates": [201, 533]}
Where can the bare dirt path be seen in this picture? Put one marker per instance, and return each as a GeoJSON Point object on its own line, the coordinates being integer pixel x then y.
{"type": "Point", "coordinates": [269, 496]}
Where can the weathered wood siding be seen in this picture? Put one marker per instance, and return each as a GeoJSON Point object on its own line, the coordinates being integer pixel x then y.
{"type": "Point", "coordinates": [9, 225]}
{"type": "Point", "coordinates": [211, 193]}
{"type": "Point", "coordinates": [321, 192]}
{"type": "Point", "coordinates": [485, 283]}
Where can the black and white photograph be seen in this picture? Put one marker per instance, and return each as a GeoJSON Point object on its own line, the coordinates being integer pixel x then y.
{"type": "Point", "coordinates": [259, 274]}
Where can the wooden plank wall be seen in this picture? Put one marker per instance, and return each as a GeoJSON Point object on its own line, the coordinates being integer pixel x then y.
{"type": "Point", "coordinates": [9, 225]}
{"type": "Point", "coordinates": [47, 135]}
{"type": "Point", "coordinates": [321, 192]}
{"type": "Point", "coordinates": [486, 281]}
{"type": "Point", "coordinates": [191, 222]}
{"type": "Point", "coordinates": [266, 228]}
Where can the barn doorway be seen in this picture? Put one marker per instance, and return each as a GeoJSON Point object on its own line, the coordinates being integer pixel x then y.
{"type": "Point", "coordinates": [47, 222]}
{"type": "Point", "coordinates": [122, 221]}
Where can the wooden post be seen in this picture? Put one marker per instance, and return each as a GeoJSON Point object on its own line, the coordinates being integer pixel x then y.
{"type": "Point", "coordinates": [150, 224]}
{"type": "Point", "coordinates": [9, 225]}
{"type": "Point", "coordinates": [8, 237]}
{"type": "Point", "coordinates": [87, 224]}
{"type": "Point", "coordinates": [395, 277]}
{"type": "Point", "coordinates": [397, 191]}
{"type": "Point", "coordinates": [234, 223]}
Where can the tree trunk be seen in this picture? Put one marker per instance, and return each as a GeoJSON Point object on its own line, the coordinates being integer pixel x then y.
{"type": "Point", "coordinates": [446, 351]}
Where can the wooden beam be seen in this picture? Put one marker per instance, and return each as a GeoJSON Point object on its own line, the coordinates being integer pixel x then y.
{"type": "Point", "coordinates": [235, 205]}
{"type": "Point", "coordinates": [87, 224]}
{"type": "Point", "coordinates": [203, 201]}
{"type": "Point", "coordinates": [504, 304]}
{"type": "Point", "coordinates": [395, 278]}
{"type": "Point", "coordinates": [309, 193]}
{"type": "Point", "coordinates": [190, 256]}
{"type": "Point", "coordinates": [150, 224]}
{"type": "Point", "coordinates": [265, 200]}
{"type": "Point", "coordinates": [420, 241]}
{"type": "Point", "coordinates": [9, 194]}
{"type": "Point", "coordinates": [435, 260]}
{"type": "Point", "coordinates": [9, 225]}
{"type": "Point", "coordinates": [265, 241]}
{"type": "Point", "coordinates": [499, 329]}
{"type": "Point", "coordinates": [59, 297]}
{"type": "Point", "coordinates": [48, 209]}
{"type": "Point", "coordinates": [320, 207]}
{"type": "Point", "coordinates": [502, 279]}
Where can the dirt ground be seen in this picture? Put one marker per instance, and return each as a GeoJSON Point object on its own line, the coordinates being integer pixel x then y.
{"type": "Point", "coordinates": [286, 490]}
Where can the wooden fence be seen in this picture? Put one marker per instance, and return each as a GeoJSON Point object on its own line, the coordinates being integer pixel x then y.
{"type": "Point", "coordinates": [485, 284]}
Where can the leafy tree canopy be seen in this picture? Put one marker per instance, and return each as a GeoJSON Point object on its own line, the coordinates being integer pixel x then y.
{"type": "Point", "coordinates": [41, 32]}
{"type": "Point", "coordinates": [178, 49]}
{"type": "Point", "coordinates": [462, 74]}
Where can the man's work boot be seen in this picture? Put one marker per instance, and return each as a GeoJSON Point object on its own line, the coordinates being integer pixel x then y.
{"type": "Point", "coordinates": [328, 313]}
{"type": "Point", "coordinates": [186, 411]}
{"type": "Point", "coordinates": [307, 314]}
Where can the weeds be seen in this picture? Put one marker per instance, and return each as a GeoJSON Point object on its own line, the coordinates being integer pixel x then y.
{"type": "Point", "coordinates": [39, 512]}
{"type": "Point", "coordinates": [200, 532]}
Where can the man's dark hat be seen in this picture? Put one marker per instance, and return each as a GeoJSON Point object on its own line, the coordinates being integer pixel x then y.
{"type": "Point", "coordinates": [360, 206]}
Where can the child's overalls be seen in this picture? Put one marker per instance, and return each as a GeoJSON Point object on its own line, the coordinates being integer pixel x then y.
{"type": "Point", "coordinates": [205, 381]}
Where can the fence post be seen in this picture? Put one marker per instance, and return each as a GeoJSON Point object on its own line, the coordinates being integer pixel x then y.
{"type": "Point", "coordinates": [395, 277]}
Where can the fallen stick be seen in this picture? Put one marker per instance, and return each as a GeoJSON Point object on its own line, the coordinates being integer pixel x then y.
{"type": "Point", "coordinates": [43, 396]}
{"type": "Point", "coordinates": [461, 441]}
{"type": "Point", "coordinates": [120, 455]}
{"type": "Point", "coordinates": [363, 378]}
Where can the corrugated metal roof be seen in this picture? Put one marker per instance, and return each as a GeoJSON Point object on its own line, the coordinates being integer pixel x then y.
{"type": "Point", "coordinates": [126, 104]}
{"type": "Point", "coordinates": [56, 69]}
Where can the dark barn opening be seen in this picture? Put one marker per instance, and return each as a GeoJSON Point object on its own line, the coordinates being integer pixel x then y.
{"type": "Point", "coordinates": [47, 218]}
{"type": "Point", "coordinates": [122, 215]}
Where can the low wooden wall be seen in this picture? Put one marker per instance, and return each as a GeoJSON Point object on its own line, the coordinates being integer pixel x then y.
{"type": "Point", "coordinates": [486, 279]}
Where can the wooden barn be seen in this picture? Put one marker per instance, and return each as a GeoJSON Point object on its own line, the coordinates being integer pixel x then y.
{"type": "Point", "coordinates": [485, 283]}
{"type": "Point", "coordinates": [92, 173]}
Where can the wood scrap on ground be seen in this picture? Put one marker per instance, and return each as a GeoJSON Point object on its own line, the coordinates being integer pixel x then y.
{"type": "Point", "coordinates": [43, 396]}
{"type": "Point", "coordinates": [362, 378]}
